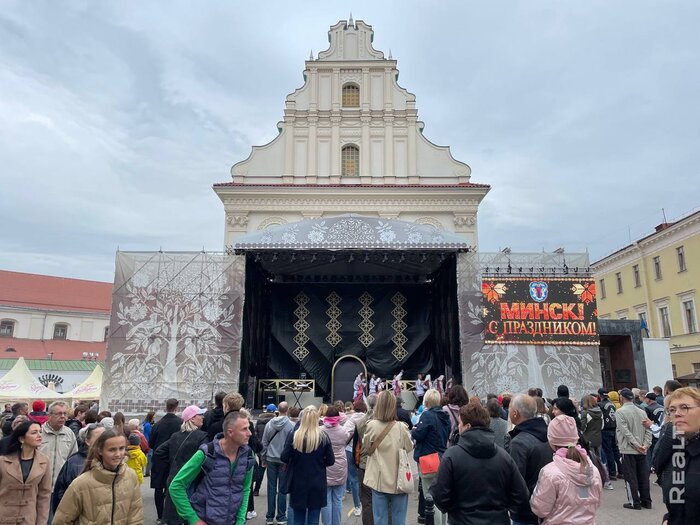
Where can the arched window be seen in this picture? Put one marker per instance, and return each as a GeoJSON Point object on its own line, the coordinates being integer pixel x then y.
{"type": "Point", "coordinates": [7, 328]}
{"type": "Point", "coordinates": [60, 331]}
{"type": "Point", "coordinates": [351, 96]}
{"type": "Point", "coordinates": [350, 161]}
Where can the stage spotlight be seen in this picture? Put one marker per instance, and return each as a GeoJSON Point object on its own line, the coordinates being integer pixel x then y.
{"type": "Point", "coordinates": [332, 259]}
{"type": "Point", "coordinates": [351, 258]}
{"type": "Point", "coordinates": [274, 257]}
{"type": "Point", "coordinates": [576, 270]}
{"type": "Point", "coordinates": [510, 269]}
{"type": "Point", "coordinates": [313, 258]}
{"type": "Point", "coordinates": [566, 269]}
{"type": "Point", "coordinates": [385, 258]}
{"type": "Point", "coordinates": [498, 269]}
{"type": "Point", "coordinates": [365, 258]}
{"type": "Point", "coordinates": [293, 257]}
{"type": "Point", "coordinates": [486, 270]}
{"type": "Point", "coordinates": [520, 269]}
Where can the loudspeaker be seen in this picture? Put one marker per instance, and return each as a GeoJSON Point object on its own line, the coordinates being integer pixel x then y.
{"type": "Point", "coordinates": [269, 396]}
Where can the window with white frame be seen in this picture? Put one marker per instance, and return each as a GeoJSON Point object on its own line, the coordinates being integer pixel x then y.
{"type": "Point", "coordinates": [664, 321]}
{"type": "Point", "coordinates": [689, 319]}
{"type": "Point", "coordinates": [657, 267]}
{"type": "Point", "coordinates": [696, 368]}
{"type": "Point", "coordinates": [602, 288]}
{"type": "Point", "coordinates": [622, 314]}
{"type": "Point", "coordinates": [635, 273]}
{"type": "Point", "coordinates": [680, 254]}
{"type": "Point", "coordinates": [7, 328]}
{"type": "Point", "coordinates": [618, 280]}
{"type": "Point", "coordinates": [106, 334]}
{"type": "Point", "coordinates": [60, 331]}
{"type": "Point", "coordinates": [673, 368]}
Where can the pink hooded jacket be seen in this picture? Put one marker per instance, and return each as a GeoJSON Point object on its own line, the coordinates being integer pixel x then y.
{"type": "Point", "coordinates": [565, 495]}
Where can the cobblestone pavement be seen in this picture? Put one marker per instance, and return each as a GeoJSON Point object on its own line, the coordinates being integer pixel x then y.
{"type": "Point", "coordinates": [610, 512]}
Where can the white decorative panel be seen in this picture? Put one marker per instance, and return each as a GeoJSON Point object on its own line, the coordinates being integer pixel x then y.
{"type": "Point", "coordinates": [300, 157]}
{"type": "Point", "coordinates": [377, 158]}
{"type": "Point", "coordinates": [401, 158]}
{"type": "Point", "coordinates": [324, 158]}
{"type": "Point", "coordinates": [377, 82]}
{"type": "Point", "coordinates": [351, 46]}
{"type": "Point", "coordinates": [324, 92]}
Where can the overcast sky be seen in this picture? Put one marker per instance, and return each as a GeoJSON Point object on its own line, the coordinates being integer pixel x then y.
{"type": "Point", "coordinates": [117, 117]}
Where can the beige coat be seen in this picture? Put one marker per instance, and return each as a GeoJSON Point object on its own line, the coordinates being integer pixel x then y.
{"type": "Point", "coordinates": [57, 446]}
{"type": "Point", "coordinates": [90, 500]}
{"type": "Point", "coordinates": [20, 501]}
{"type": "Point", "coordinates": [383, 465]}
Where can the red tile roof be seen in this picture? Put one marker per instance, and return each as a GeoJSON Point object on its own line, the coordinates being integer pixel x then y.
{"type": "Point", "coordinates": [398, 186]}
{"type": "Point", "coordinates": [54, 293]}
{"type": "Point", "coordinates": [61, 349]}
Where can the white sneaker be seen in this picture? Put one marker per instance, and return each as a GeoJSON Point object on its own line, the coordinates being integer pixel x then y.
{"type": "Point", "coordinates": [358, 511]}
{"type": "Point", "coordinates": [608, 486]}
{"type": "Point", "coordinates": [251, 514]}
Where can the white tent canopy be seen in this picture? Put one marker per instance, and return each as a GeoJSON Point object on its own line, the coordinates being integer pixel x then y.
{"type": "Point", "coordinates": [89, 389]}
{"type": "Point", "coordinates": [19, 384]}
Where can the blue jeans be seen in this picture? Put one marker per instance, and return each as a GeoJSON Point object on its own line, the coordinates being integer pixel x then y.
{"type": "Point", "coordinates": [306, 516]}
{"type": "Point", "coordinates": [385, 505]}
{"type": "Point", "coordinates": [276, 476]}
{"type": "Point", "coordinates": [332, 513]}
{"type": "Point", "coordinates": [353, 482]}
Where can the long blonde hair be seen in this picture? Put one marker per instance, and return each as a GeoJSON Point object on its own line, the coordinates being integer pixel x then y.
{"type": "Point", "coordinates": [308, 436]}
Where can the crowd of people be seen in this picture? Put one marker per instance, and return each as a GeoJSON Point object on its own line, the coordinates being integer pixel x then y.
{"type": "Point", "coordinates": [508, 458]}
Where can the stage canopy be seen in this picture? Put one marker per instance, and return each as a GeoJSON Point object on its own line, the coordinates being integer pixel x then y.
{"type": "Point", "coordinates": [381, 290]}
{"type": "Point", "coordinates": [19, 384]}
{"type": "Point", "coordinates": [352, 232]}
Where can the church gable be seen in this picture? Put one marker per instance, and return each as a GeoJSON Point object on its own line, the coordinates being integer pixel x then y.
{"type": "Point", "coordinates": [350, 123]}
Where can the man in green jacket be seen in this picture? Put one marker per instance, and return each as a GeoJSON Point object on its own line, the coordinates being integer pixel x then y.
{"type": "Point", "coordinates": [218, 476]}
{"type": "Point", "coordinates": [633, 440]}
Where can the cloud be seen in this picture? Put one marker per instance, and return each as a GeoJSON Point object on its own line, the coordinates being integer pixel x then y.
{"type": "Point", "coordinates": [118, 117]}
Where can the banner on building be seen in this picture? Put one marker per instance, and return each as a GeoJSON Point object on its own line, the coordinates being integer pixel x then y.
{"type": "Point", "coordinates": [175, 330]}
{"type": "Point", "coordinates": [545, 311]}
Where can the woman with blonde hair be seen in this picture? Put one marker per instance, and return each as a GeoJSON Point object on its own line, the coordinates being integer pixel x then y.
{"type": "Point", "coordinates": [678, 464]}
{"type": "Point", "coordinates": [307, 453]}
{"type": "Point", "coordinates": [382, 440]}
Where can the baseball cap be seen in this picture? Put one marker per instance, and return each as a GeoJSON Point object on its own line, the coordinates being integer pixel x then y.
{"type": "Point", "coordinates": [603, 391]}
{"type": "Point", "coordinates": [651, 395]}
{"type": "Point", "coordinates": [271, 408]}
{"type": "Point", "coordinates": [191, 411]}
{"type": "Point", "coordinates": [626, 393]}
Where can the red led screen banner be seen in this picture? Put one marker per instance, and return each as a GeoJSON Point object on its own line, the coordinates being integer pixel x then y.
{"type": "Point", "coordinates": [540, 311]}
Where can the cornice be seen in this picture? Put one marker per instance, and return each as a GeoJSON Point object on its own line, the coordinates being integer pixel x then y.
{"type": "Point", "coordinates": [649, 245]}
{"type": "Point", "coordinates": [418, 202]}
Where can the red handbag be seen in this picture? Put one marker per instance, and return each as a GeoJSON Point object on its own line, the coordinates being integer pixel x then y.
{"type": "Point", "coordinates": [429, 464]}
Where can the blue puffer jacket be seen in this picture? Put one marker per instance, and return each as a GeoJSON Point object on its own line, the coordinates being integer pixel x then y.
{"type": "Point", "coordinates": [431, 433]}
{"type": "Point", "coordinates": [71, 469]}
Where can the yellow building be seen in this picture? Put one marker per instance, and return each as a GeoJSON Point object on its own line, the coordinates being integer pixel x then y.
{"type": "Point", "coordinates": [655, 279]}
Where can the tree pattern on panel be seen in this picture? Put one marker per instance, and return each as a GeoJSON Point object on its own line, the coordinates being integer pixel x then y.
{"type": "Point", "coordinates": [179, 315]}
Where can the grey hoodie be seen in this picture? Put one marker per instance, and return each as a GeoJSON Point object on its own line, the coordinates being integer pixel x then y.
{"type": "Point", "coordinates": [274, 437]}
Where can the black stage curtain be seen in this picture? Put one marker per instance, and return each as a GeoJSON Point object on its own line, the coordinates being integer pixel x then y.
{"type": "Point", "coordinates": [431, 318]}
{"type": "Point", "coordinates": [378, 354]}
{"type": "Point", "coordinates": [445, 323]}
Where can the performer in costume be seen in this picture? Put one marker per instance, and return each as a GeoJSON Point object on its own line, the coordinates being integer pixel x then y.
{"type": "Point", "coordinates": [450, 382]}
{"type": "Point", "coordinates": [380, 385]}
{"type": "Point", "coordinates": [359, 386]}
{"type": "Point", "coordinates": [420, 389]}
{"type": "Point", "coordinates": [437, 385]}
{"type": "Point", "coordinates": [396, 384]}
{"type": "Point", "coordinates": [428, 383]}
{"type": "Point", "coordinates": [373, 384]}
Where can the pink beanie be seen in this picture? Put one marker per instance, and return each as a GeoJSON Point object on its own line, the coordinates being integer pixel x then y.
{"type": "Point", "coordinates": [562, 432]}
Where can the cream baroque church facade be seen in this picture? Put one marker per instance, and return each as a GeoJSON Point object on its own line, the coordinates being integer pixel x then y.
{"type": "Point", "coordinates": [350, 142]}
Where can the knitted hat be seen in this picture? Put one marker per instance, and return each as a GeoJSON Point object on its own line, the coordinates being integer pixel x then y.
{"type": "Point", "coordinates": [562, 431]}
{"type": "Point", "coordinates": [134, 439]}
{"type": "Point", "coordinates": [38, 406]}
